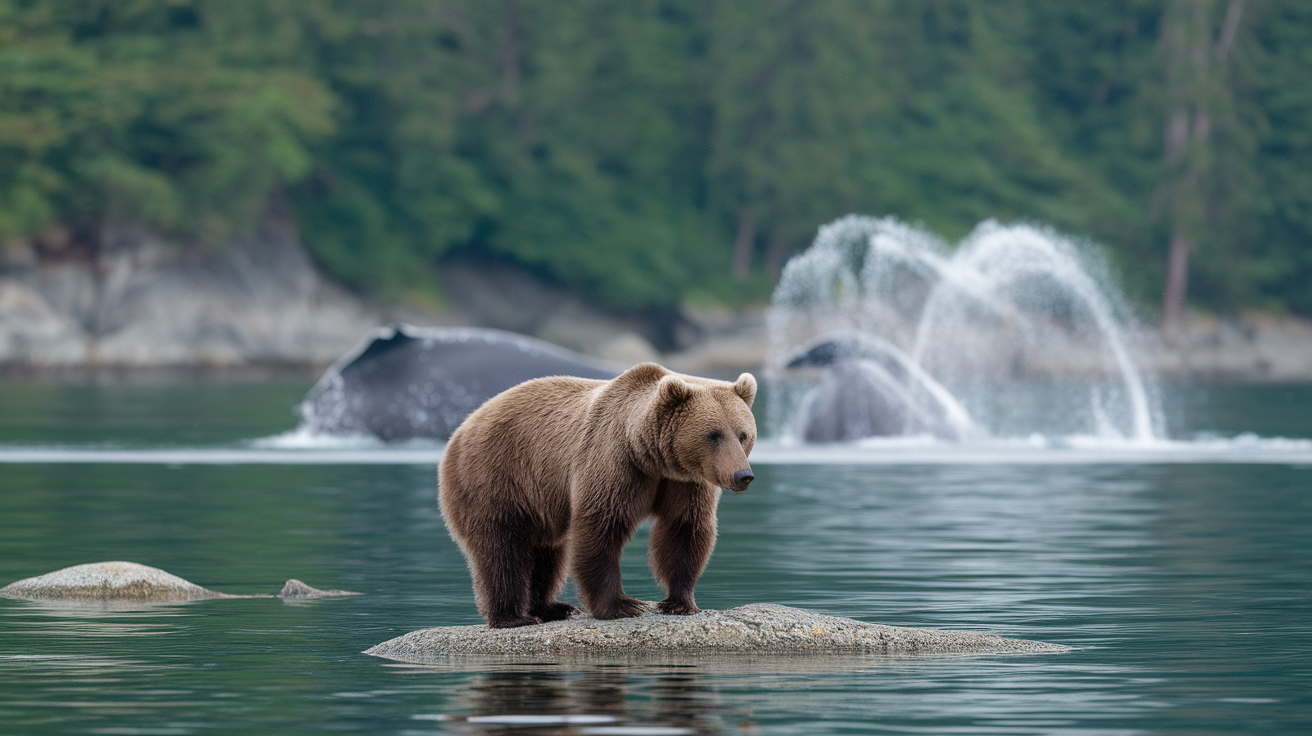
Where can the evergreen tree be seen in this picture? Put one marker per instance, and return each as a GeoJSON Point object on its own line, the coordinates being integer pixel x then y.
{"type": "Point", "coordinates": [643, 151]}
{"type": "Point", "coordinates": [151, 112]}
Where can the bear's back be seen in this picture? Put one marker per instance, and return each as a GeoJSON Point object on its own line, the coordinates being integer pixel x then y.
{"type": "Point", "coordinates": [521, 441]}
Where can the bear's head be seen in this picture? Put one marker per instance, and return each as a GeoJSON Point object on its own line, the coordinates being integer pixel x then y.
{"type": "Point", "coordinates": [706, 429]}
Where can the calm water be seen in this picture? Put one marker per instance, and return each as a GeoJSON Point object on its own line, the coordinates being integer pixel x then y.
{"type": "Point", "coordinates": [1185, 588]}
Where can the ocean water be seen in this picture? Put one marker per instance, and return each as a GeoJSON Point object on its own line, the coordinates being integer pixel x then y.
{"type": "Point", "coordinates": [1181, 576]}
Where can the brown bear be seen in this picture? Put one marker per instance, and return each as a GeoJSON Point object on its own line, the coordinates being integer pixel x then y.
{"type": "Point", "coordinates": [564, 469]}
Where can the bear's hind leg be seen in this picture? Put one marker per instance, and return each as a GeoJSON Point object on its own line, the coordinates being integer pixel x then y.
{"type": "Point", "coordinates": [548, 579]}
{"type": "Point", "coordinates": [502, 567]}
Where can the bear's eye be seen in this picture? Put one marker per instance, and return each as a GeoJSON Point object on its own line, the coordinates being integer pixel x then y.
{"type": "Point", "coordinates": [742, 436]}
{"type": "Point", "coordinates": [715, 436]}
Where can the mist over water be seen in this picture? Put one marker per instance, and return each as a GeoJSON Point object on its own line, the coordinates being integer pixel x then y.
{"type": "Point", "coordinates": [1019, 331]}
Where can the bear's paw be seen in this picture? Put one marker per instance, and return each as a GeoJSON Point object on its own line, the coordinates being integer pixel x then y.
{"type": "Point", "coordinates": [622, 607]}
{"type": "Point", "coordinates": [677, 608]}
{"type": "Point", "coordinates": [554, 611]}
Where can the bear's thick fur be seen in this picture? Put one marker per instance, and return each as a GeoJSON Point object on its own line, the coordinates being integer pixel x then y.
{"type": "Point", "coordinates": [564, 469]}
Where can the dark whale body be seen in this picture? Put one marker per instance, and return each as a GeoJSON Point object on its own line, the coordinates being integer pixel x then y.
{"type": "Point", "coordinates": [405, 382]}
{"type": "Point", "coordinates": [869, 388]}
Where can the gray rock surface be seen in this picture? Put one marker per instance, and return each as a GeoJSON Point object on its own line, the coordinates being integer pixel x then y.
{"type": "Point", "coordinates": [141, 303]}
{"type": "Point", "coordinates": [110, 582]}
{"type": "Point", "coordinates": [506, 297]}
{"type": "Point", "coordinates": [115, 583]}
{"type": "Point", "coordinates": [721, 342]}
{"type": "Point", "coordinates": [296, 590]}
{"type": "Point", "coordinates": [1248, 348]}
{"type": "Point", "coordinates": [759, 628]}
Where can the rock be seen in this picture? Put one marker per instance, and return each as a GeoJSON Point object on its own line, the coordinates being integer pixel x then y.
{"type": "Point", "coordinates": [1250, 347]}
{"type": "Point", "coordinates": [626, 349]}
{"type": "Point", "coordinates": [721, 342]}
{"type": "Point", "coordinates": [129, 582]}
{"type": "Point", "coordinates": [752, 629]}
{"type": "Point", "coordinates": [507, 297]}
{"type": "Point", "coordinates": [137, 303]}
{"type": "Point", "coordinates": [110, 582]}
{"type": "Point", "coordinates": [295, 589]}
{"type": "Point", "coordinates": [32, 331]}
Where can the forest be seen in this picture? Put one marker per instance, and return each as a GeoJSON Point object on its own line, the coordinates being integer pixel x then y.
{"type": "Point", "coordinates": [653, 151]}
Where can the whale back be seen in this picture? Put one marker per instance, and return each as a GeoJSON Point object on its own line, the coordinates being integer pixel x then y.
{"type": "Point", "coordinates": [404, 382]}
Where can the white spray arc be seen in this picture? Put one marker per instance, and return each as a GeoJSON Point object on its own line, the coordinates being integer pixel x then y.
{"type": "Point", "coordinates": [1019, 331]}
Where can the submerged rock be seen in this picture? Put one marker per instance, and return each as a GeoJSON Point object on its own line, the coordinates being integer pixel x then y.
{"type": "Point", "coordinates": [129, 582]}
{"type": "Point", "coordinates": [295, 589]}
{"type": "Point", "coordinates": [752, 629]}
{"type": "Point", "coordinates": [110, 582]}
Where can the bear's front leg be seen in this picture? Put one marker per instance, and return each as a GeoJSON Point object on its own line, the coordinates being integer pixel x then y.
{"type": "Point", "coordinates": [597, 542]}
{"type": "Point", "coordinates": [681, 541]}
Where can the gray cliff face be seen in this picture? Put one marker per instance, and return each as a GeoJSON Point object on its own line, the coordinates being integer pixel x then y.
{"type": "Point", "coordinates": [140, 303]}
{"type": "Point", "coordinates": [1253, 347]}
{"type": "Point", "coordinates": [506, 297]}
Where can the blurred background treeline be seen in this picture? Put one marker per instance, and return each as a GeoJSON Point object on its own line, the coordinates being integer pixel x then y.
{"type": "Point", "coordinates": [653, 151]}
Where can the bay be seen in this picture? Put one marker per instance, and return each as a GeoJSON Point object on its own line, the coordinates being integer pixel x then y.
{"type": "Point", "coordinates": [1183, 587]}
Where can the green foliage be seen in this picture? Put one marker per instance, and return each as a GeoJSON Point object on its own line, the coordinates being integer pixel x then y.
{"type": "Point", "coordinates": [1265, 254]}
{"type": "Point", "coordinates": [621, 148]}
{"type": "Point", "coordinates": [140, 112]}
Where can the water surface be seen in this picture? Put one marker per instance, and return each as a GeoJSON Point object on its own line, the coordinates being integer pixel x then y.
{"type": "Point", "coordinates": [1183, 586]}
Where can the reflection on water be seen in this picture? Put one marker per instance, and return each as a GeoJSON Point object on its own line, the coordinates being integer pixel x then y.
{"type": "Point", "coordinates": [1183, 588]}
{"type": "Point", "coordinates": [935, 695]}
{"type": "Point", "coordinates": [560, 701]}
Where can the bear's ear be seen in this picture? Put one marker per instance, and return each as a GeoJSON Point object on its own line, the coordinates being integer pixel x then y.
{"type": "Point", "coordinates": [745, 387]}
{"type": "Point", "coordinates": [672, 391]}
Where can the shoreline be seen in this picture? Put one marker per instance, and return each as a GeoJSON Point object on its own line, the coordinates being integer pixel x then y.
{"type": "Point", "coordinates": [1259, 350]}
{"type": "Point", "coordinates": [145, 312]}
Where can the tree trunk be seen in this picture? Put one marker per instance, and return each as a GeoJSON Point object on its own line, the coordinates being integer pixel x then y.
{"type": "Point", "coordinates": [1177, 278]}
{"type": "Point", "coordinates": [774, 255]}
{"type": "Point", "coordinates": [743, 245]}
{"type": "Point", "coordinates": [1194, 82]}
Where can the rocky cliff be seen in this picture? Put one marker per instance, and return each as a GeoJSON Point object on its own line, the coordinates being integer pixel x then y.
{"type": "Point", "coordinates": [1249, 348]}
{"type": "Point", "coordinates": [138, 303]}
{"type": "Point", "coordinates": [141, 305]}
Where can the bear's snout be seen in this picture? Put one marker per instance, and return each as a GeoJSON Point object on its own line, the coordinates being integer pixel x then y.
{"type": "Point", "coordinates": [741, 479]}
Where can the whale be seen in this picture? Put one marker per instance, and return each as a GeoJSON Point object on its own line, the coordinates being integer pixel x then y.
{"type": "Point", "coordinates": [870, 388]}
{"type": "Point", "coordinates": [403, 382]}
